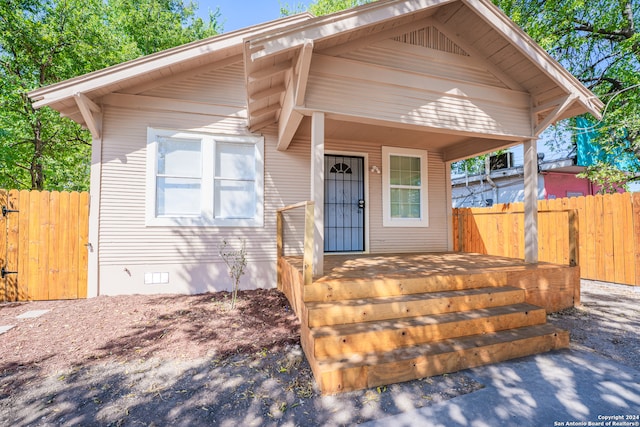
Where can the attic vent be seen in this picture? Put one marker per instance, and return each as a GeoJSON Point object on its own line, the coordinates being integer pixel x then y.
{"type": "Point", "coordinates": [432, 38]}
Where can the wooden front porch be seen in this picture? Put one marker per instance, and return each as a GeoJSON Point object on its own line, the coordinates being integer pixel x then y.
{"type": "Point", "coordinates": [378, 319]}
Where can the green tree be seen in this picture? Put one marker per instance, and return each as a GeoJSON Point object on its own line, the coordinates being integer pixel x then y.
{"type": "Point", "coordinates": [598, 42]}
{"type": "Point", "coordinates": [321, 7]}
{"type": "Point", "coordinates": [46, 41]}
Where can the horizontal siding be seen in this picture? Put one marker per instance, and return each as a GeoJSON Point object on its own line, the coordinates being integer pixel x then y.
{"type": "Point", "coordinates": [332, 88]}
{"type": "Point", "coordinates": [124, 238]}
{"type": "Point", "coordinates": [220, 86]}
{"type": "Point", "coordinates": [427, 61]}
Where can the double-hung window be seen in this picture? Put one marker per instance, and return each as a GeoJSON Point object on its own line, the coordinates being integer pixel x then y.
{"type": "Point", "coordinates": [404, 187]}
{"type": "Point", "coordinates": [204, 180]}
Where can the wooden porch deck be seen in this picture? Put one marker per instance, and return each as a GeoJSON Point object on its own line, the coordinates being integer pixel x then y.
{"type": "Point", "coordinates": [385, 318]}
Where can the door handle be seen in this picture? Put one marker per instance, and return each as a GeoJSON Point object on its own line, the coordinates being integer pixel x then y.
{"type": "Point", "coordinates": [361, 204]}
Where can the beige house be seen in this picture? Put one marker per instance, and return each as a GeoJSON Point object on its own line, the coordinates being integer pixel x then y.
{"type": "Point", "coordinates": [203, 142]}
{"type": "Point", "coordinates": [360, 112]}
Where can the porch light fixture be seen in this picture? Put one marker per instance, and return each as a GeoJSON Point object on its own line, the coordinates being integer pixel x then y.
{"type": "Point", "coordinates": [374, 169]}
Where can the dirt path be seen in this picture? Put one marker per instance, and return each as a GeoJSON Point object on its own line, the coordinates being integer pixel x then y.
{"type": "Point", "coordinates": [188, 360]}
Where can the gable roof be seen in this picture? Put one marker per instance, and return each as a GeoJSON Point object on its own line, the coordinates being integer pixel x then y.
{"type": "Point", "coordinates": [60, 96]}
{"type": "Point", "coordinates": [278, 52]}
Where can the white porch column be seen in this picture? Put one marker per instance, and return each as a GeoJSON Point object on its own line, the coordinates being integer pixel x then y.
{"type": "Point", "coordinates": [317, 189]}
{"type": "Point", "coordinates": [531, 201]}
{"type": "Point", "coordinates": [95, 188]}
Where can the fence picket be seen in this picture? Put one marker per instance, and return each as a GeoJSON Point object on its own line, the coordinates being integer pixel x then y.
{"type": "Point", "coordinates": [3, 246]}
{"type": "Point", "coordinates": [636, 233]}
{"type": "Point", "coordinates": [627, 241]}
{"type": "Point", "coordinates": [54, 238]}
{"type": "Point", "coordinates": [13, 227]}
{"type": "Point", "coordinates": [608, 233]}
{"type": "Point", "coordinates": [46, 235]}
{"type": "Point", "coordinates": [43, 245]}
{"type": "Point", "coordinates": [83, 239]}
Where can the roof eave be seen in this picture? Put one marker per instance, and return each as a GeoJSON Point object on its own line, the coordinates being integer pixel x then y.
{"type": "Point", "coordinates": [271, 42]}
{"type": "Point", "coordinates": [537, 55]}
{"type": "Point", "coordinates": [119, 73]}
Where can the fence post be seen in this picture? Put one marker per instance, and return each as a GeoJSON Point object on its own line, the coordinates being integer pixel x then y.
{"type": "Point", "coordinates": [574, 238]}
{"type": "Point", "coordinates": [462, 218]}
{"type": "Point", "coordinates": [635, 209]}
{"type": "Point", "coordinates": [309, 229]}
{"type": "Point", "coordinates": [279, 248]}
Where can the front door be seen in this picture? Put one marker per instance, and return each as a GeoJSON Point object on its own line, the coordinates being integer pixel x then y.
{"type": "Point", "coordinates": [344, 203]}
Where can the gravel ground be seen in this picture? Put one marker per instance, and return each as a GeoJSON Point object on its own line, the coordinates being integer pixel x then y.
{"type": "Point", "coordinates": [607, 322]}
{"type": "Point", "coordinates": [268, 386]}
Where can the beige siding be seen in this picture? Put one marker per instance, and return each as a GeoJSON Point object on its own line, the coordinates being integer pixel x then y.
{"type": "Point", "coordinates": [363, 90]}
{"type": "Point", "coordinates": [128, 248]}
{"type": "Point", "coordinates": [427, 61]}
{"type": "Point", "coordinates": [222, 86]}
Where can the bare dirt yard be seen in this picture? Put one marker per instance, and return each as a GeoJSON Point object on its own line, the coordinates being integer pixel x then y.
{"type": "Point", "coordinates": [190, 360]}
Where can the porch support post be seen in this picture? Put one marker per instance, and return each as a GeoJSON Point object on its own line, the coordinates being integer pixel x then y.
{"type": "Point", "coordinates": [317, 189]}
{"type": "Point", "coordinates": [95, 191]}
{"type": "Point", "coordinates": [531, 201]}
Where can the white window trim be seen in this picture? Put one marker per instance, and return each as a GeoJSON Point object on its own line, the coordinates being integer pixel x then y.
{"type": "Point", "coordinates": [387, 220]}
{"type": "Point", "coordinates": [206, 218]}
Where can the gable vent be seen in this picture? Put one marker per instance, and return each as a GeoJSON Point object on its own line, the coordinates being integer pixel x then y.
{"type": "Point", "coordinates": [432, 38]}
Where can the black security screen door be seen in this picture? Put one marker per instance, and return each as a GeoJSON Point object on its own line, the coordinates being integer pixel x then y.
{"type": "Point", "coordinates": [343, 204]}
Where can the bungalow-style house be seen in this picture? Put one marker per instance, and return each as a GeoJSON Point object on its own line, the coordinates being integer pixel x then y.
{"type": "Point", "coordinates": [359, 114]}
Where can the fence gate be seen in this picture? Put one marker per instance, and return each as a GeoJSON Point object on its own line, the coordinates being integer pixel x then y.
{"type": "Point", "coordinates": [43, 245]}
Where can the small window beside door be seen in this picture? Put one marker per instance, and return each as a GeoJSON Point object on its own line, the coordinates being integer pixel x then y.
{"type": "Point", "coordinates": [404, 194]}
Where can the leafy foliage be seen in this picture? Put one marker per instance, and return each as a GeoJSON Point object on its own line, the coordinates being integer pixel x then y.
{"type": "Point", "coordinates": [598, 42]}
{"type": "Point", "coordinates": [321, 7]}
{"type": "Point", "coordinates": [236, 262]}
{"type": "Point", "coordinates": [46, 41]}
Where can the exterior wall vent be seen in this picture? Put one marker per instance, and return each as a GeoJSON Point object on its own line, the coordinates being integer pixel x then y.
{"type": "Point", "coordinates": [431, 38]}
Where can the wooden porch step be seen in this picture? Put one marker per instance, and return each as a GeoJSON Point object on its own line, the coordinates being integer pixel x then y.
{"type": "Point", "coordinates": [380, 336]}
{"type": "Point", "coordinates": [359, 371]}
{"type": "Point", "coordinates": [412, 305]}
{"type": "Point", "coordinates": [416, 283]}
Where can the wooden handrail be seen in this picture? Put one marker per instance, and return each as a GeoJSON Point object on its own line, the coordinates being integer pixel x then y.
{"type": "Point", "coordinates": [297, 205]}
{"type": "Point", "coordinates": [307, 265]}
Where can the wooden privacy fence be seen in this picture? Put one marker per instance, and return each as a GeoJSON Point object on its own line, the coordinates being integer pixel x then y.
{"type": "Point", "coordinates": [608, 233]}
{"type": "Point", "coordinates": [43, 245]}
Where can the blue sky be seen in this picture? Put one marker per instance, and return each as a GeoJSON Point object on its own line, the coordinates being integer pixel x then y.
{"type": "Point", "coordinates": [244, 13]}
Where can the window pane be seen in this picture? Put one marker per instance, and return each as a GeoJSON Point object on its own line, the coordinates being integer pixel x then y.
{"type": "Point", "coordinates": [394, 177]}
{"type": "Point", "coordinates": [405, 203]}
{"type": "Point", "coordinates": [179, 157]}
{"type": "Point", "coordinates": [415, 164]}
{"type": "Point", "coordinates": [234, 199]}
{"type": "Point", "coordinates": [177, 196]}
{"type": "Point", "coordinates": [395, 162]}
{"type": "Point", "coordinates": [405, 170]}
{"type": "Point", "coordinates": [406, 163]}
{"type": "Point", "coordinates": [235, 161]}
{"type": "Point", "coordinates": [414, 179]}
{"type": "Point", "coordinates": [406, 177]}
